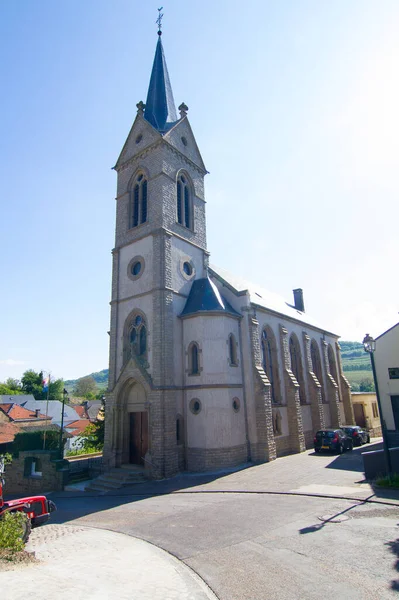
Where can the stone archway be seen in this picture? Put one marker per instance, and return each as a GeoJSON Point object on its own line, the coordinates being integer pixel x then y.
{"type": "Point", "coordinates": [133, 424]}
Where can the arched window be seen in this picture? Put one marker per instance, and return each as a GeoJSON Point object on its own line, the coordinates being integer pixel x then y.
{"type": "Point", "coordinates": [316, 365]}
{"type": "Point", "coordinates": [296, 366]}
{"type": "Point", "coordinates": [332, 364]}
{"type": "Point", "coordinates": [233, 351]}
{"type": "Point", "coordinates": [193, 359]}
{"type": "Point", "coordinates": [184, 203]}
{"type": "Point", "coordinates": [269, 361]}
{"type": "Point", "coordinates": [138, 211]}
{"type": "Point", "coordinates": [138, 336]}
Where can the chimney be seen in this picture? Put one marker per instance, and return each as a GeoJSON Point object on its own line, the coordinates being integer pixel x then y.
{"type": "Point", "coordinates": [37, 412]}
{"type": "Point", "coordinates": [298, 299]}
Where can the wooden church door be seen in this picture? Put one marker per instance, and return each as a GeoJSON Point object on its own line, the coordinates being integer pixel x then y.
{"type": "Point", "coordinates": [138, 437]}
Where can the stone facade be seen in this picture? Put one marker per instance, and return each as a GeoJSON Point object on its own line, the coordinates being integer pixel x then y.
{"type": "Point", "coordinates": [18, 481]}
{"type": "Point", "coordinates": [215, 380]}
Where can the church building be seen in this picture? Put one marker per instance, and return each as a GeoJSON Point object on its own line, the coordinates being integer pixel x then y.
{"type": "Point", "coordinates": [206, 370]}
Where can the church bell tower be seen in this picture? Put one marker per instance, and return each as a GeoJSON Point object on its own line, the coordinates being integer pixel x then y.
{"type": "Point", "coordinates": [160, 250]}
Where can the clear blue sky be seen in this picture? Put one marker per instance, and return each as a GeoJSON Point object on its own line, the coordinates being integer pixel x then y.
{"type": "Point", "coordinates": [295, 108]}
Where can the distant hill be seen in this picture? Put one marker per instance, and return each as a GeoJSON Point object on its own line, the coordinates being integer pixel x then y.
{"type": "Point", "coordinates": [355, 362]}
{"type": "Point", "coordinates": [101, 379]}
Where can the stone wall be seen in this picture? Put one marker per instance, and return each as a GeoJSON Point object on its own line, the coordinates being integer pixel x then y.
{"type": "Point", "coordinates": [18, 482]}
{"type": "Point", "coordinates": [201, 459]}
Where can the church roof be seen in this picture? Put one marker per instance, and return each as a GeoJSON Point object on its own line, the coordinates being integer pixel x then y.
{"type": "Point", "coordinates": [205, 297]}
{"type": "Point", "coordinates": [263, 298]}
{"type": "Point", "coordinates": [160, 108]}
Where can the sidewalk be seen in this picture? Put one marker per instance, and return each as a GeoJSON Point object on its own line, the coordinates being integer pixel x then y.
{"type": "Point", "coordinates": [81, 562]}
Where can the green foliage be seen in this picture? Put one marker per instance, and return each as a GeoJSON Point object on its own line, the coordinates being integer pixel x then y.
{"type": "Point", "coordinates": [93, 435]}
{"type": "Point", "coordinates": [33, 440]}
{"type": "Point", "coordinates": [392, 482]}
{"type": "Point", "coordinates": [86, 387]}
{"type": "Point", "coordinates": [32, 383]}
{"type": "Point", "coordinates": [100, 378]}
{"type": "Point", "coordinates": [11, 531]}
{"type": "Point", "coordinates": [80, 451]}
{"type": "Point", "coordinates": [6, 391]}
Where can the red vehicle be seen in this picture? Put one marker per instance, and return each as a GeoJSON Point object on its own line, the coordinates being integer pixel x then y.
{"type": "Point", "coordinates": [36, 509]}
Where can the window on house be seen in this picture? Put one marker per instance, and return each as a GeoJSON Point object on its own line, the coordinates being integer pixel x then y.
{"type": "Point", "coordinates": [193, 359]}
{"type": "Point", "coordinates": [233, 351]}
{"type": "Point", "coordinates": [375, 410]}
{"type": "Point", "coordinates": [184, 204]}
{"type": "Point", "coordinates": [139, 201]}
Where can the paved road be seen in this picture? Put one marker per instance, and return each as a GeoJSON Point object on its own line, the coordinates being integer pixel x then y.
{"type": "Point", "coordinates": [81, 562]}
{"type": "Point", "coordinates": [248, 539]}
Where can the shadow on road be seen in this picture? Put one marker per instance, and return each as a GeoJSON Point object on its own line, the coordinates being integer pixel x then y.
{"type": "Point", "coordinates": [394, 548]}
{"type": "Point", "coordinates": [332, 518]}
{"type": "Point", "coordinates": [73, 505]}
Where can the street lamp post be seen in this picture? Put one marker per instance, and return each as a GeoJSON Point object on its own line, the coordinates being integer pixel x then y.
{"type": "Point", "coordinates": [369, 346]}
{"type": "Point", "coordinates": [61, 447]}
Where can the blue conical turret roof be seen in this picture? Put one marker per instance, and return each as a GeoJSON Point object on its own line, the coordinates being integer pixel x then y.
{"type": "Point", "coordinates": [160, 108]}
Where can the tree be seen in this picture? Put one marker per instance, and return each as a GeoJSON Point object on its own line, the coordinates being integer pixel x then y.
{"type": "Point", "coordinates": [93, 435]}
{"type": "Point", "coordinates": [32, 383]}
{"type": "Point", "coordinates": [14, 384]}
{"type": "Point", "coordinates": [85, 386]}
{"type": "Point", "coordinates": [366, 385]}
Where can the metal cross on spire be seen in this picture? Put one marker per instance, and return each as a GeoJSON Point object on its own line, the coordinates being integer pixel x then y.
{"type": "Point", "coordinates": [159, 20]}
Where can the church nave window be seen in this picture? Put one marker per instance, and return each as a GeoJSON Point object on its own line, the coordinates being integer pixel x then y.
{"type": "Point", "coordinates": [296, 366]}
{"type": "Point", "coordinates": [233, 360]}
{"type": "Point", "coordinates": [270, 363]}
{"type": "Point", "coordinates": [137, 337]}
{"type": "Point", "coordinates": [139, 201]}
{"type": "Point", "coordinates": [193, 359]}
{"type": "Point", "coordinates": [184, 204]}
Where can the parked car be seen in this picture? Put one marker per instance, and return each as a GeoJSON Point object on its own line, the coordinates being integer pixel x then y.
{"type": "Point", "coordinates": [359, 436]}
{"type": "Point", "coordinates": [334, 440]}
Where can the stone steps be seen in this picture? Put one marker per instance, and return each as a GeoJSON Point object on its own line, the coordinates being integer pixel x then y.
{"type": "Point", "coordinates": [117, 478]}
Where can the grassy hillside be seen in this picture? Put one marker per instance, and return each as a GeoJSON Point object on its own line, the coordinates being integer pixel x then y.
{"type": "Point", "coordinates": [357, 366]}
{"type": "Point", "coordinates": [355, 362]}
{"type": "Point", "coordinates": [101, 379]}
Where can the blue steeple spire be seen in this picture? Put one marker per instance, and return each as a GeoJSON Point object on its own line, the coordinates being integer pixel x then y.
{"type": "Point", "coordinates": [160, 108]}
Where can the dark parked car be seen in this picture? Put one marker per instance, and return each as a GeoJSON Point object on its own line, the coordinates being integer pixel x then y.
{"type": "Point", "coordinates": [332, 439]}
{"type": "Point", "coordinates": [359, 436]}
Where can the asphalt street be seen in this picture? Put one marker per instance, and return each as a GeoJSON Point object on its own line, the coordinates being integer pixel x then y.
{"type": "Point", "coordinates": [303, 526]}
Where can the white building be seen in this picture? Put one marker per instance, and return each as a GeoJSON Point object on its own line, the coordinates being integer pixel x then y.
{"type": "Point", "coordinates": [386, 359]}
{"type": "Point", "coordinates": [206, 369]}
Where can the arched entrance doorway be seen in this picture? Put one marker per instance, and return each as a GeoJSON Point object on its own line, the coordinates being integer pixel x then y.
{"type": "Point", "coordinates": [136, 425]}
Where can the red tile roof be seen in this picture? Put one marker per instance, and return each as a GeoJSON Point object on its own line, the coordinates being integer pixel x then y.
{"type": "Point", "coordinates": [77, 427]}
{"type": "Point", "coordinates": [17, 412]}
{"type": "Point", "coordinates": [81, 410]}
{"type": "Point", "coordinates": [8, 432]}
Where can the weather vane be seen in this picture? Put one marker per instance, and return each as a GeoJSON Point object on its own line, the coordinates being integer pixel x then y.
{"type": "Point", "coordinates": [159, 20]}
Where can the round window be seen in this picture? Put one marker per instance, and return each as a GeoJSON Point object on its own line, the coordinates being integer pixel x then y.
{"type": "Point", "coordinates": [236, 404]}
{"type": "Point", "coordinates": [195, 406]}
{"type": "Point", "coordinates": [187, 268]}
{"type": "Point", "coordinates": [136, 268]}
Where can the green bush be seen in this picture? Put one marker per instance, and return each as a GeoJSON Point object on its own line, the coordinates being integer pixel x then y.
{"type": "Point", "coordinates": [11, 531]}
{"type": "Point", "coordinates": [392, 482]}
{"type": "Point", "coordinates": [33, 440]}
